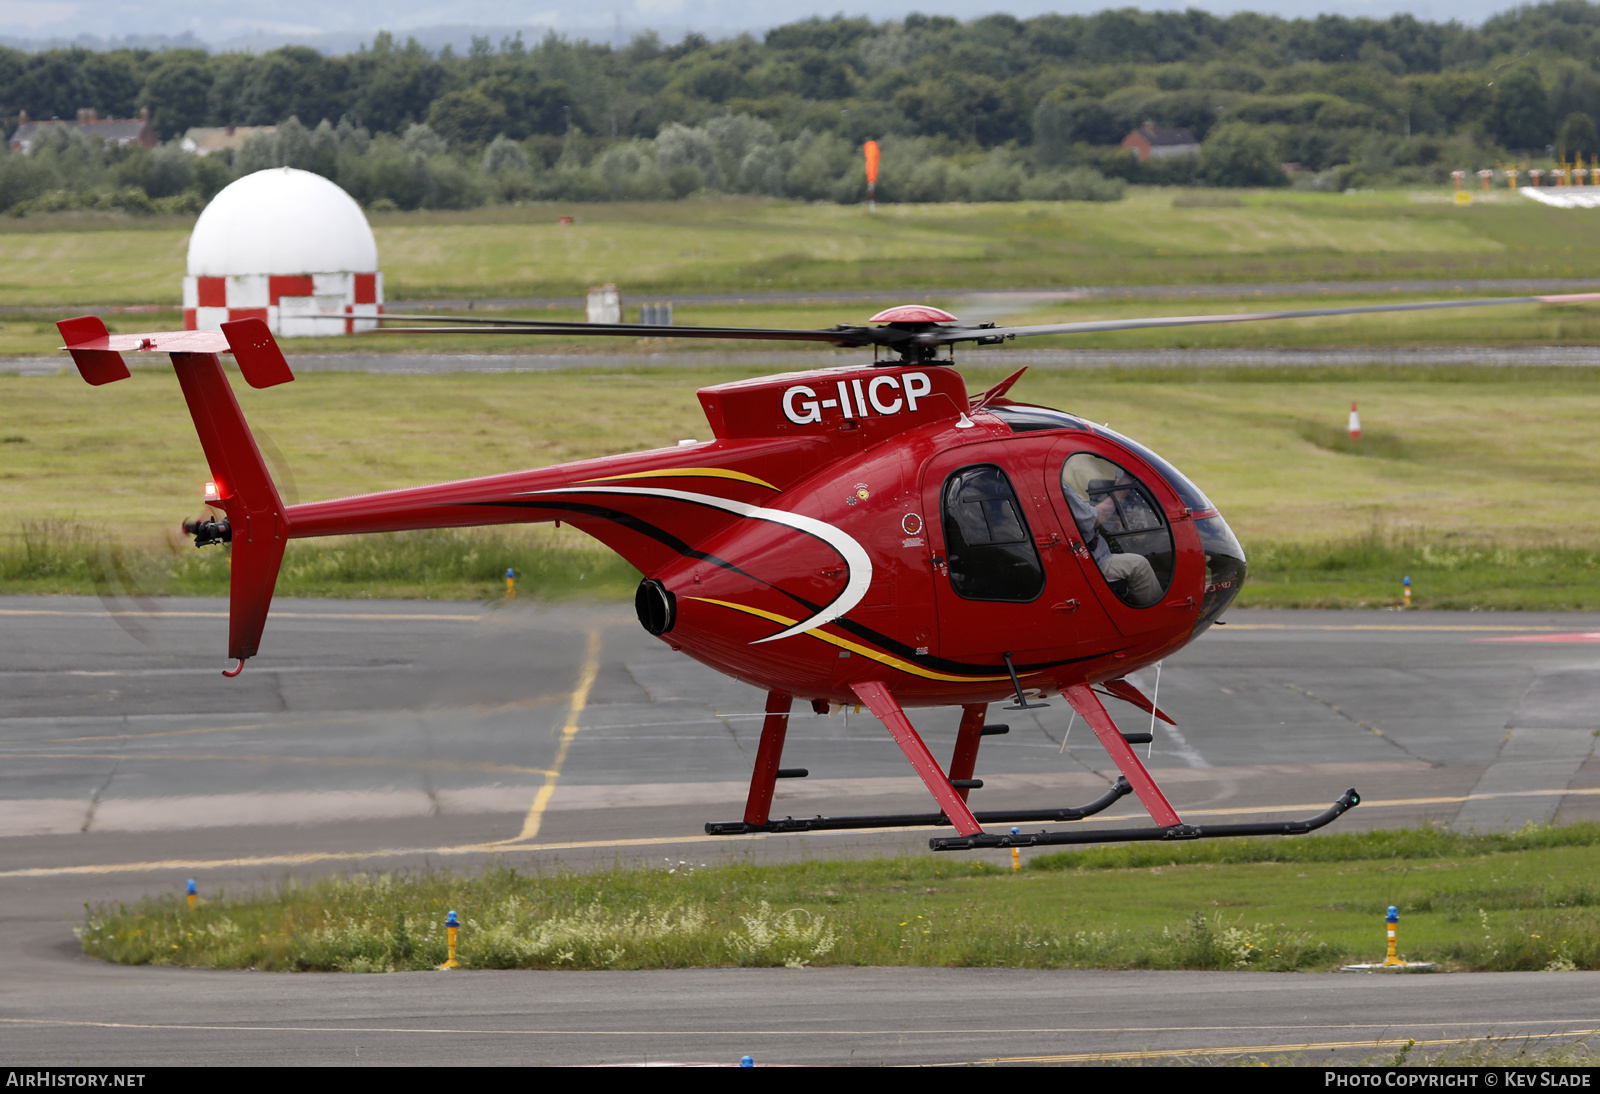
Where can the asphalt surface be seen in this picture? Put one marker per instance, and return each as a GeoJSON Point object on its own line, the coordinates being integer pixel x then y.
{"type": "Point", "coordinates": [856, 296]}
{"type": "Point", "coordinates": [385, 735]}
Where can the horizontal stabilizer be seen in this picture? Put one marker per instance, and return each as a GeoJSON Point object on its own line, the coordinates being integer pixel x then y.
{"type": "Point", "coordinates": [80, 335]}
{"type": "Point", "coordinates": [98, 354]}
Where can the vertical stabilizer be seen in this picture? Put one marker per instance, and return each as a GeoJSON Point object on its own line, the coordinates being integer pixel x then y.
{"type": "Point", "coordinates": [244, 490]}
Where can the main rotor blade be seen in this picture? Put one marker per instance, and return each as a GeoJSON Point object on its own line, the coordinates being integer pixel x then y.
{"type": "Point", "coordinates": [840, 336]}
{"type": "Point", "coordinates": [491, 321]}
{"type": "Point", "coordinates": [902, 336]}
{"type": "Point", "coordinates": [959, 334]}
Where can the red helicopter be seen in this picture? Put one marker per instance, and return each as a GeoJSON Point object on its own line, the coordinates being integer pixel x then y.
{"type": "Point", "coordinates": [871, 534]}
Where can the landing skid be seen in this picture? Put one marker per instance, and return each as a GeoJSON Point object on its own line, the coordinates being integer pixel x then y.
{"type": "Point", "coordinates": [917, 820]}
{"type": "Point", "coordinates": [950, 789]}
{"type": "Point", "coordinates": [1346, 801]}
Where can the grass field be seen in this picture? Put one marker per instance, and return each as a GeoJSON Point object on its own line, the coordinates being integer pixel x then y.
{"type": "Point", "coordinates": [1491, 903]}
{"type": "Point", "coordinates": [1502, 454]}
{"type": "Point", "coordinates": [1474, 482]}
{"type": "Point", "coordinates": [747, 245]}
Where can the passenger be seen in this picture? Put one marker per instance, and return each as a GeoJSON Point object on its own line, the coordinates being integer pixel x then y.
{"type": "Point", "coordinates": [1143, 588]}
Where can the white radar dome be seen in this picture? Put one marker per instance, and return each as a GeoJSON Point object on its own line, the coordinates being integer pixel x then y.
{"type": "Point", "coordinates": [281, 221]}
{"type": "Point", "coordinates": [289, 248]}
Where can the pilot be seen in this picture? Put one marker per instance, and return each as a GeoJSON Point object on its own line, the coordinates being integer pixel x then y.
{"type": "Point", "coordinates": [1143, 588]}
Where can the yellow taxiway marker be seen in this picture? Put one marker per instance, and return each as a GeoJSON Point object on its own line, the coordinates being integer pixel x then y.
{"type": "Point", "coordinates": [580, 699]}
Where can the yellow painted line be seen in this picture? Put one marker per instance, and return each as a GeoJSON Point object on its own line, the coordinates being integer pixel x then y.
{"type": "Point", "coordinates": [159, 614]}
{"type": "Point", "coordinates": [688, 473]}
{"type": "Point", "coordinates": [580, 699]}
{"type": "Point", "coordinates": [131, 736]}
{"type": "Point", "coordinates": [305, 858]}
{"type": "Point", "coordinates": [296, 723]}
{"type": "Point", "coordinates": [1379, 627]}
{"type": "Point", "coordinates": [791, 1031]}
{"type": "Point", "coordinates": [853, 647]}
{"type": "Point", "coordinates": [1254, 1050]}
{"type": "Point", "coordinates": [520, 844]}
{"type": "Point", "coordinates": [1391, 803]}
{"type": "Point", "coordinates": [268, 758]}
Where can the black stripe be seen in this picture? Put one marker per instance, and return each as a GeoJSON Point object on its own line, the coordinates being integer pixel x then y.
{"type": "Point", "coordinates": [629, 521]}
{"type": "Point", "coordinates": [909, 653]}
{"type": "Point", "coordinates": [860, 630]}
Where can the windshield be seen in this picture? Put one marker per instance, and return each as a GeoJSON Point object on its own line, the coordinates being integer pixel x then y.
{"type": "Point", "coordinates": [1197, 502]}
{"type": "Point", "coordinates": [1225, 561]}
{"type": "Point", "coordinates": [1225, 569]}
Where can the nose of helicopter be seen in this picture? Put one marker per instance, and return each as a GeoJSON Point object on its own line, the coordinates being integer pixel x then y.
{"type": "Point", "coordinates": [1225, 568]}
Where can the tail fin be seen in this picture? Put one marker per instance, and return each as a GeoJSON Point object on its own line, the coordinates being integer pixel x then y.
{"type": "Point", "coordinates": [243, 489]}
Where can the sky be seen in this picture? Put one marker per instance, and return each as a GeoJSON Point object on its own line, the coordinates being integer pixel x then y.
{"type": "Point", "coordinates": [341, 25]}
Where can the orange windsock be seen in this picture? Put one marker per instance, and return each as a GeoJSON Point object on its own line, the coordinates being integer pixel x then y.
{"type": "Point", "coordinates": [871, 150]}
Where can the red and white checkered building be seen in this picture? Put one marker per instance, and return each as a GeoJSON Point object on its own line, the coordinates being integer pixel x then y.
{"type": "Point", "coordinates": [288, 247]}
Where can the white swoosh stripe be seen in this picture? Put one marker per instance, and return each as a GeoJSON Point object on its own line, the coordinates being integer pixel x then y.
{"type": "Point", "coordinates": [855, 556]}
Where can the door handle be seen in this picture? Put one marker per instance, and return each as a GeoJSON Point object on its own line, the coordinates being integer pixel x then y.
{"type": "Point", "coordinates": [1065, 606]}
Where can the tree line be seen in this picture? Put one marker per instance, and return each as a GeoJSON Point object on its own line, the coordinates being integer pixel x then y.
{"type": "Point", "coordinates": [992, 106]}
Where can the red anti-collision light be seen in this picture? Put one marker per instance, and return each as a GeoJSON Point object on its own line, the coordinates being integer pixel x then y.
{"type": "Point", "coordinates": [913, 313]}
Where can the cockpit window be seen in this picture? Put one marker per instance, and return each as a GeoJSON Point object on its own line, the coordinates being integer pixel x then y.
{"type": "Point", "coordinates": [1187, 491]}
{"type": "Point", "coordinates": [1123, 527]}
{"type": "Point", "coordinates": [988, 547]}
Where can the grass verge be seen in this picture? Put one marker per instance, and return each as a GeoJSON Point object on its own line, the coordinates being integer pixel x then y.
{"type": "Point", "coordinates": [1451, 572]}
{"type": "Point", "coordinates": [1526, 901]}
{"type": "Point", "coordinates": [443, 564]}
{"type": "Point", "coordinates": [60, 557]}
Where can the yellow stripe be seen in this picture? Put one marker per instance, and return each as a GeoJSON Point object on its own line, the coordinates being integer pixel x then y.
{"type": "Point", "coordinates": [580, 699]}
{"type": "Point", "coordinates": [308, 857]}
{"type": "Point", "coordinates": [853, 1031]}
{"type": "Point", "coordinates": [688, 473]}
{"type": "Point", "coordinates": [853, 647]}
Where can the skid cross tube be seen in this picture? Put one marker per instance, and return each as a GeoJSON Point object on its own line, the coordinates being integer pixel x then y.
{"type": "Point", "coordinates": [1347, 801]}
{"type": "Point", "coordinates": [918, 820]}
